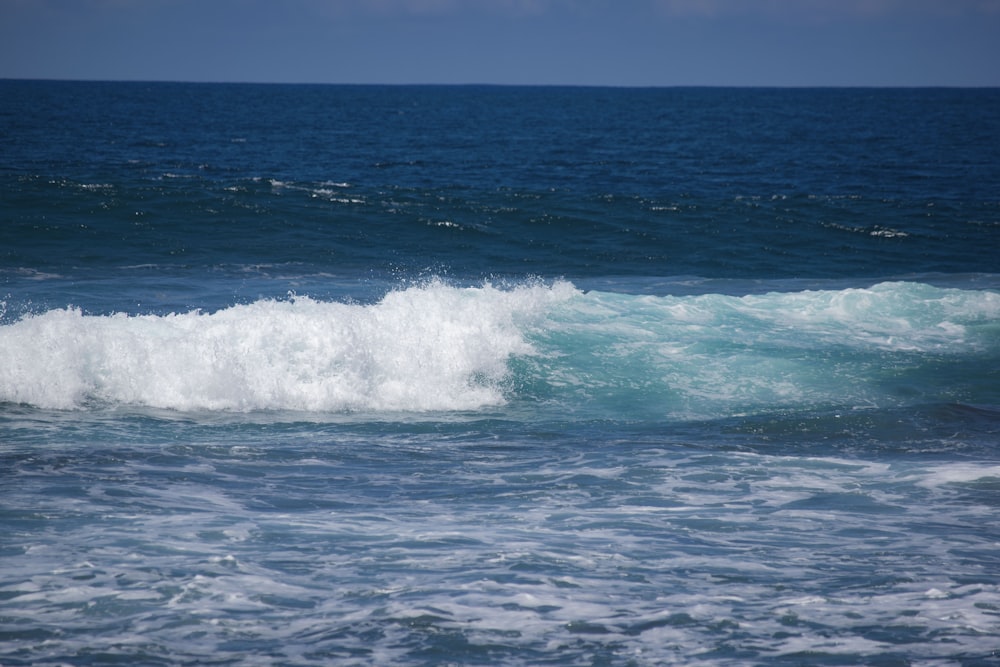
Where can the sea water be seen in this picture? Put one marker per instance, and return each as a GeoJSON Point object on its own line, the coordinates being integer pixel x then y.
{"type": "Point", "coordinates": [312, 375]}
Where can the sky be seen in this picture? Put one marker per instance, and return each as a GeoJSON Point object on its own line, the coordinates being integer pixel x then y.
{"type": "Point", "coordinates": [534, 42]}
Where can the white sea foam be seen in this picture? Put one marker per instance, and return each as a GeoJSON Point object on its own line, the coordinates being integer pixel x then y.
{"type": "Point", "coordinates": [554, 557]}
{"type": "Point", "coordinates": [959, 473]}
{"type": "Point", "coordinates": [424, 348]}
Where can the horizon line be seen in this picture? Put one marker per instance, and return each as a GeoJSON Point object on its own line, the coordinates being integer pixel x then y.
{"type": "Point", "coordinates": [473, 84]}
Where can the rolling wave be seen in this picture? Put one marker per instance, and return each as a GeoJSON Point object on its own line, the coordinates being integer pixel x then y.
{"type": "Point", "coordinates": [440, 347]}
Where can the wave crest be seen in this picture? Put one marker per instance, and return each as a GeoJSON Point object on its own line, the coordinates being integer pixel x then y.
{"type": "Point", "coordinates": [433, 347]}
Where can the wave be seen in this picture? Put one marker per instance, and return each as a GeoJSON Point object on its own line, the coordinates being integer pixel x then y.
{"type": "Point", "coordinates": [713, 355]}
{"type": "Point", "coordinates": [425, 348]}
{"type": "Point", "coordinates": [440, 347]}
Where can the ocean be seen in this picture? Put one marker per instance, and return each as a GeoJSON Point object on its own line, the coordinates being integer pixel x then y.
{"type": "Point", "coordinates": [471, 375]}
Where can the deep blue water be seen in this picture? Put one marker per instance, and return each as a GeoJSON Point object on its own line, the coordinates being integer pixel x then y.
{"type": "Point", "coordinates": [310, 375]}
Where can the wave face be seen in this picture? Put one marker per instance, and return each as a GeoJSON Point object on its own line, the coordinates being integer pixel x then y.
{"type": "Point", "coordinates": [439, 347]}
{"type": "Point", "coordinates": [715, 355]}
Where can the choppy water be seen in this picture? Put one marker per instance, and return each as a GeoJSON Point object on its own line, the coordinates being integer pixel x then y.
{"type": "Point", "coordinates": [386, 375]}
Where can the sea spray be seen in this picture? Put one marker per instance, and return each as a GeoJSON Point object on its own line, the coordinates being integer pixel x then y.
{"type": "Point", "coordinates": [432, 347]}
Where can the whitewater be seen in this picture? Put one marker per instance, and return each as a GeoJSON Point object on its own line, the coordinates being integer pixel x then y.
{"type": "Point", "coordinates": [442, 347]}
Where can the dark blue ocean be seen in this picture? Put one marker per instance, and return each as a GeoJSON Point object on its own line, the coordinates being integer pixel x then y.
{"type": "Point", "coordinates": [334, 375]}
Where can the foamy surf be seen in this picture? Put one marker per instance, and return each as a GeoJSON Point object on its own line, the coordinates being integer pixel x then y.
{"type": "Point", "coordinates": [433, 347]}
{"type": "Point", "coordinates": [441, 347]}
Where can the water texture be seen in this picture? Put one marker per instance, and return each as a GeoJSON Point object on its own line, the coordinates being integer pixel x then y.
{"type": "Point", "coordinates": [356, 375]}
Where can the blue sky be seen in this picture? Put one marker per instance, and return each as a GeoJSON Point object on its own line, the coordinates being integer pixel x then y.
{"type": "Point", "coordinates": [574, 42]}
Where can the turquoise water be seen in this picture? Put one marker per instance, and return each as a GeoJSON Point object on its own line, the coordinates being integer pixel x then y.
{"type": "Point", "coordinates": [301, 375]}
